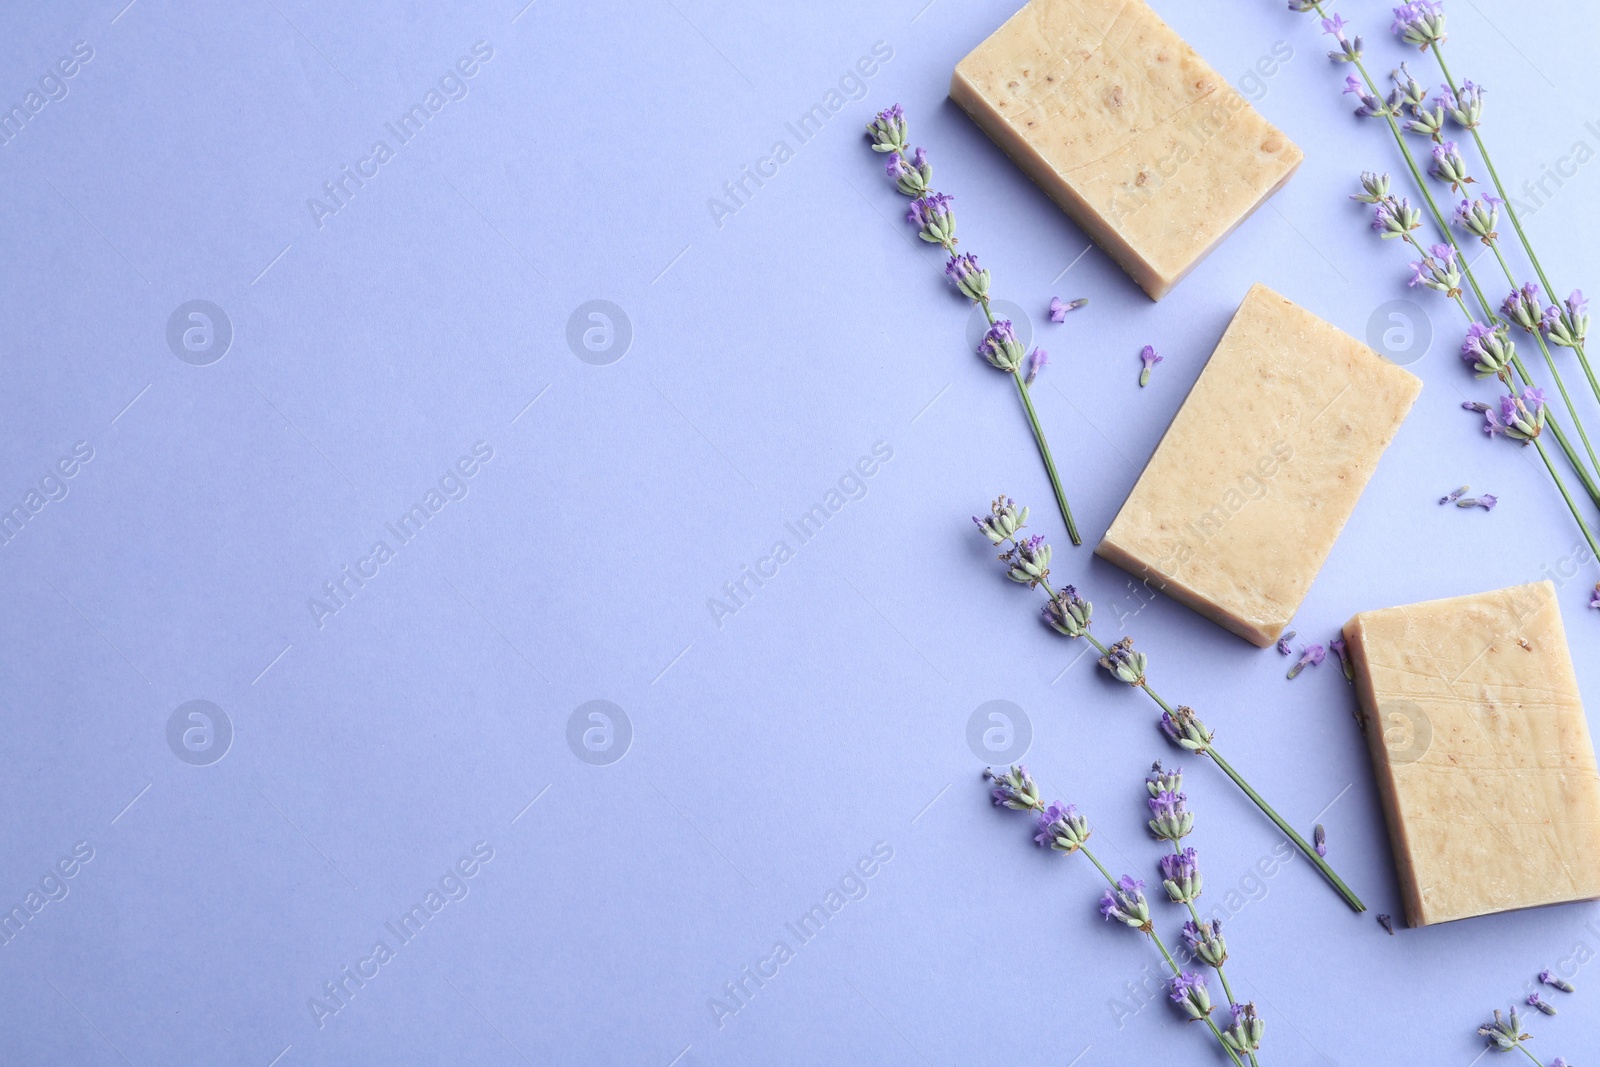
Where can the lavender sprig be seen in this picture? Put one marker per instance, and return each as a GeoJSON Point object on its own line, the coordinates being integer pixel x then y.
{"type": "Point", "coordinates": [930, 212]}
{"type": "Point", "coordinates": [1072, 616]}
{"type": "Point", "coordinates": [1063, 829]}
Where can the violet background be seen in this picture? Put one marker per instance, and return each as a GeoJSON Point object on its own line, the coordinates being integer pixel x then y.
{"type": "Point", "coordinates": [768, 354]}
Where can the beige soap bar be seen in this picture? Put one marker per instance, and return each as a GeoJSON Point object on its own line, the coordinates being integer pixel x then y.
{"type": "Point", "coordinates": [1254, 479]}
{"type": "Point", "coordinates": [1481, 752]}
{"type": "Point", "coordinates": [1147, 148]}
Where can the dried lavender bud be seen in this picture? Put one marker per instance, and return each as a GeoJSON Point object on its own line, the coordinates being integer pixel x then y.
{"type": "Point", "coordinates": [1340, 649]}
{"type": "Point", "coordinates": [1180, 876]}
{"type": "Point", "coordinates": [1062, 828]}
{"type": "Point", "coordinates": [1555, 981]}
{"type": "Point", "coordinates": [1184, 728]}
{"type": "Point", "coordinates": [1454, 495]}
{"type": "Point", "coordinates": [1524, 307]}
{"type": "Point", "coordinates": [935, 221]}
{"type": "Point", "coordinates": [888, 130]}
{"type": "Point", "coordinates": [1504, 1034]}
{"type": "Point", "coordinates": [1535, 1002]}
{"type": "Point", "coordinates": [971, 279]}
{"type": "Point", "coordinates": [1204, 942]}
{"type": "Point", "coordinates": [1124, 663]}
{"type": "Point", "coordinates": [1189, 993]}
{"type": "Point", "coordinates": [1283, 644]}
{"type": "Point", "coordinates": [1387, 922]}
{"type": "Point", "coordinates": [1150, 358]}
{"type": "Point", "coordinates": [1310, 656]}
{"type": "Point", "coordinates": [1160, 780]}
{"type": "Point", "coordinates": [1028, 561]}
{"type": "Point", "coordinates": [1068, 613]}
{"type": "Point", "coordinates": [1003, 521]}
{"type": "Point", "coordinates": [1319, 837]}
{"type": "Point", "coordinates": [1247, 1030]}
{"type": "Point", "coordinates": [1126, 903]}
{"type": "Point", "coordinates": [1013, 788]}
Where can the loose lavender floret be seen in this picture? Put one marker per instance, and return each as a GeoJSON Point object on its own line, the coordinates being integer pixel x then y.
{"type": "Point", "coordinates": [1059, 310]}
{"type": "Point", "coordinates": [1150, 359]}
{"type": "Point", "coordinates": [1320, 838]}
{"type": "Point", "coordinates": [1387, 922]}
{"type": "Point", "coordinates": [1283, 644]}
{"type": "Point", "coordinates": [1310, 656]}
{"type": "Point", "coordinates": [1535, 1001]}
{"type": "Point", "coordinates": [1555, 981]}
{"type": "Point", "coordinates": [1338, 647]}
{"type": "Point", "coordinates": [1455, 494]}
{"type": "Point", "coordinates": [1036, 362]}
{"type": "Point", "coordinates": [1487, 502]}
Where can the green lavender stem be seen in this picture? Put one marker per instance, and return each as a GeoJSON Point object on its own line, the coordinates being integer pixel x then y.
{"type": "Point", "coordinates": [1177, 971]}
{"type": "Point", "coordinates": [1516, 223]}
{"type": "Point", "coordinates": [1222, 976]}
{"type": "Point", "coordinates": [949, 245]}
{"type": "Point", "coordinates": [1216, 757]}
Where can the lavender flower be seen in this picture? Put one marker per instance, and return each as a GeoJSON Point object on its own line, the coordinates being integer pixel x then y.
{"type": "Point", "coordinates": [1310, 656]}
{"type": "Point", "coordinates": [1126, 903]}
{"type": "Point", "coordinates": [888, 130]}
{"type": "Point", "coordinates": [1489, 350]}
{"type": "Point", "coordinates": [934, 220]}
{"type": "Point", "coordinates": [1465, 105]}
{"type": "Point", "coordinates": [1374, 188]}
{"type": "Point", "coordinates": [1555, 981]}
{"type": "Point", "coordinates": [1349, 50]}
{"type": "Point", "coordinates": [1368, 106]}
{"type": "Point", "coordinates": [1504, 1034]}
{"type": "Point", "coordinates": [1036, 361]}
{"type": "Point", "coordinates": [1001, 347]}
{"type": "Point", "coordinates": [1338, 647]}
{"type": "Point", "coordinates": [1068, 613]}
{"type": "Point", "coordinates": [1161, 780]}
{"type": "Point", "coordinates": [1521, 417]}
{"type": "Point", "coordinates": [1180, 876]}
{"type": "Point", "coordinates": [1454, 495]}
{"type": "Point", "coordinates": [1594, 597]}
{"type": "Point", "coordinates": [1479, 217]}
{"type": "Point", "coordinates": [1124, 663]}
{"type": "Point", "coordinates": [1247, 1030]}
{"type": "Point", "coordinates": [1395, 218]}
{"type": "Point", "coordinates": [1059, 310]}
{"type": "Point", "coordinates": [1204, 942]}
{"type": "Point", "coordinates": [1283, 643]}
{"type": "Point", "coordinates": [1013, 788]}
{"type": "Point", "coordinates": [1420, 22]}
{"type": "Point", "coordinates": [1319, 837]}
{"type": "Point", "coordinates": [1438, 270]}
{"type": "Point", "coordinates": [1189, 993]}
{"type": "Point", "coordinates": [1184, 729]}
{"type": "Point", "coordinates": [1427, 122]}
{"type": "Point", "coordinates": [1522, 307]}
{"type": "Point", "coordinates": [1387, 922]}
{"type": "Point", "coordinates": [910, 178]}
{"type": "Point", "coordinates": [1535, 1001]}
{"type": "Point", "coordinates": [1028, 561]}
{"type": "Point", "coordinates": [1448, 166]}
{"type": "Point", "coordinates": [1487, 502]}
{"type": "Point", "coordinates": [1062, 828]}
{"type": "Point", "coordinates": [1412, 92]}
{"type": "Point", "coordinates": [1150, 358]}
{"type": "Point", "coordinates": [1003, 521]}
{"type": "Point", "coordinates": [1567, 326]}
{"type": "Point", "coordinates": [1172, 820]}
{"type": "Point", "coordinates": [971, 279]}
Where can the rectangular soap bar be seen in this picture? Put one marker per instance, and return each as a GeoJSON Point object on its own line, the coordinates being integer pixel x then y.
{"type": "Point", "coordinates": [1147, 148]}
{"type": "Point", "coordinates": [1254, 479]}
{"type": "Point", "coordinates": [1481, 752]}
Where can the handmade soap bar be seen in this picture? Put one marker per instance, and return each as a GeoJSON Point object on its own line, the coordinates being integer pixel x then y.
{"type": "Point", "coordinates": [1481, 752]}
{"type": "Point", "coordinates": [1146, 147]}
{"type": "Point", "coordinates": [1265, 461]}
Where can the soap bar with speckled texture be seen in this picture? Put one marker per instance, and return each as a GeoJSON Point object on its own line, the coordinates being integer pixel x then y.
{"type": "Point", "coordinates": [1249, 488]}
{"type": "Point", "coordinates": [1147, 148]}
{"type": "Point", "coordinates": [1481, 752]}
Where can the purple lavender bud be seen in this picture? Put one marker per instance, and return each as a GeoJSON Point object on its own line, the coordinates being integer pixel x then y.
{"type": "Point", "coordinates": [1369, 105]}
{"type": "Point", "coordinates": [1448, 166]}
{"type": "Point", "coordinates": [1003, 521]}
{"type": "Point", "coordinates": [1149, 357]}
{"type": "Point", "coordinates": [1349, 50]}
{"type": "Point", "coordinates": [1395, 218]}
{"type": "Point", "coordinates": [1319, 838]}
{"type": "Point", "coordinates": [1245, 1035]}
{"type": "Point", "coordinates": [1555, 981]}
{"type": "Point", "coordinates": [1419, 23]}
{"type": "Point", "coordinates": [1204, 941]}
{"type": "Point", "coordinates": [1488, 350]}
{"type": "Point", "coordinates": [1594, 597]}
{"type": "Point", "coordinates": [1189, 993]}
{"type": "Point", "coordinates": [1036, 362]}
{"type": "Point", "coordinates": [1536, 1001]}
{"type": "Point", "coordinates": [1126, 903]}
{"type": "Point", "coordinates": [1001, 347]}
{"type": "Point", "coordinates": [1283, 643]}
{"type": "Point", "coordinates": [1504, 1034]}
{"type": "Point", "coordinates": [1438, 271]}
{"type": "Point", "coordinates": [1172, 820]}
{"type": "Point", "coordinates": [933, 217]}
{"type": "Point", "coordinates": [888, 130]}
{"type": "Point", "coordinates": [1062, 828]}
{"type": "Point", "coordinates": [1465, 106]}
{"type": "Point", "coordinates": [1387, 922]}
{"type": "Point", "coordinates": [1013, 788]}
{"type": "Point", "coordinates": [971, 279]}
{"type": "Point", "coordinates": [1522, 307]}
{"type": "Point", "coordinates": [1161, 780]}
{"type": "Point", "coordinates": [1028, 561]}
{"type": "Point", "coordinates": [1180, 876]}
{"type": "Point", "coordinates": [1487, 502]}
{"type": "Point", "coordinates": [1455, 494]}
{"type": "Point", "coordinates": [1068, 613]}
{"type": "Point", "coordinates": [1310, 656]}
{"type": "Point", "coordinates": [1184, 729]}
{"type": "Point", "coordinates": [1123, 663]}
{"type": "Point", "coordinates": [1374, 188]}
{"type": "Point", "coordinates": [1475, 405]}
{"type": "Point", "coordinates": [1479, 217]}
